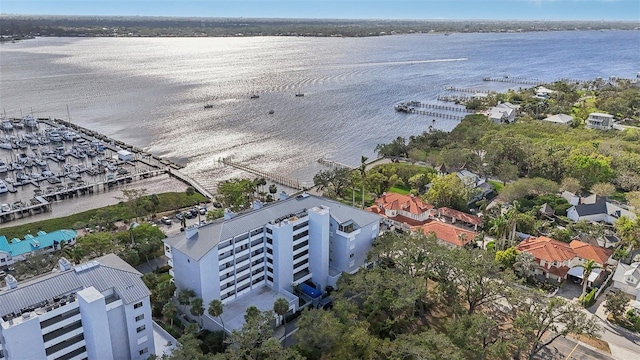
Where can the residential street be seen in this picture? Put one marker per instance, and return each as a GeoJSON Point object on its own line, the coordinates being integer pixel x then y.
{"type": "Point", "coordinates": [623, 343]}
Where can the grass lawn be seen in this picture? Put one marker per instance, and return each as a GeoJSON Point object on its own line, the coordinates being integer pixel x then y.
{"type": "Point", "coordinates": [496, 185]}
{"type": "Point", "coordinates": [348, 198]}
{"type": "Point", "coordinates": [596, 343]}
{"type": "Point", "coordinates": [167, 202]}
{"type": "Point", "coordinates": [404, 190]}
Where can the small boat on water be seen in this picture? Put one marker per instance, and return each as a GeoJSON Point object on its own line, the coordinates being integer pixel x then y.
{"type": "Point", "coordinates": [7, 125]}
{"type": "Point", "coordinates": [3, 187]}
{"type": "Point", "coordinates": [299, 94]}
{"type": "Point", "coordinates": [208, 106]}
{"type": "Point", "coordinates": [254, 96]}
{"type": "Point", "coordinates": [3, 167]}
{"type": "Point", "coordinates": [271, 112]}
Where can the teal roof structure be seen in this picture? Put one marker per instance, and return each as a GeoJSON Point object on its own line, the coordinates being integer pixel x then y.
{"type": "Point", "coordinates": [31, 243]}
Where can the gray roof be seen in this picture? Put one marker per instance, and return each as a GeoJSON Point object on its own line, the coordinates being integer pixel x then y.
{"type": "Point", "coordinates": [211, 234]}
{"type": "Point", "coordinates": [599, 207]}
{"type": "Point", "coordinates": [559, 118]}
{"type": "Point", "coordinates": [107, 272]}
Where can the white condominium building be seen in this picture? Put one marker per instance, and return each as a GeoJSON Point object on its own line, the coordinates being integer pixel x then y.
{"type": "Point", "coordinates": [258, 256]}
{"type": "Point", "coordinates": [96, 310]}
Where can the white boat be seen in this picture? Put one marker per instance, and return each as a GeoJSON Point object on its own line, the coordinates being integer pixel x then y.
{"type": "Point", "coordinates": [3, 187]}
{"type": "Point", "coordinates": [74, 176]}
{"type": "Point", "coordinates": [30, 121]}
{"type": "Point", "coordinates": [3, 167]}
{"type": "Point", "coordinates": [7, 125]}
{"type": "Point", "coordinates": [5, 207]}
{"type": "Point", "coordinates": [6, 145]}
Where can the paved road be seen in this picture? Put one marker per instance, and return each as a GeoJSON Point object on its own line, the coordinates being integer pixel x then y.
{"type": "Point", "coordinates": [563, 348]}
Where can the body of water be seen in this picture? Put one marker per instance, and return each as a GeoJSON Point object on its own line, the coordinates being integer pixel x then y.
{"type": "Point", "coordinates": [151, 92]}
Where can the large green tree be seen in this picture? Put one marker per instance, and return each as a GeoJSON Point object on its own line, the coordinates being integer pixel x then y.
{"type": "Point", "coordinates": [448, 191]}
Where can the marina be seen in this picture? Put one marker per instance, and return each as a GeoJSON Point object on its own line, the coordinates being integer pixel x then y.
{"type": "Point", "coordinates": [44, 161]}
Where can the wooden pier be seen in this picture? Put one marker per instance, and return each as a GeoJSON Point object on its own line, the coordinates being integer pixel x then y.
{"type": "Point", "coordinates": [506, 79]}
{"type": "Point", "coordinates": [279, 179]}
{"type": "Point", "coordinates": [334, 164]}
{"type": "Point", "coordinates": [464, 90]}
{"type": "Point", "coordinates": [186, 179]}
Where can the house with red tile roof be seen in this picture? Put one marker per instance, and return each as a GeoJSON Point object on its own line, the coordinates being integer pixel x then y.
{"type": "Point", "coordinates": [556, 259]}
{"type": "Point", "coordinates": [403, 210]}
{"type": "Point", "coordinates": [447, 234]}
{"type": "Point", "coordinates": [452, 216]}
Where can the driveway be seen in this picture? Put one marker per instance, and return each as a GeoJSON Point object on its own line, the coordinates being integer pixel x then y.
{"type": "Point", "coordinates": [570, 291]}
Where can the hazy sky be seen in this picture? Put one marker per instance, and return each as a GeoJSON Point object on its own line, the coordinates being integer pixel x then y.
{"type": "Point", "coordinates": [346, 9]}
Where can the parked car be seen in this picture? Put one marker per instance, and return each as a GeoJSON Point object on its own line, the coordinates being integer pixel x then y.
{"type": "Point", "coordinates": [179, 216]}
{"type": "Point", "coordinates": [203, 210]}
{"type": "Point", "coordinates": [165, 220]}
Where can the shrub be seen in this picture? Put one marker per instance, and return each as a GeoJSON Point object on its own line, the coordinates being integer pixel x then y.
{"type": "Point", "coordinates": [588, 299]}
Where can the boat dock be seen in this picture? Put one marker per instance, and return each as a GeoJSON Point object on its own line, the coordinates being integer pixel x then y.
{"type": "Point", "coordinates": [278, 179]}
{"type": "Point", "coordinates": [334, 164]}
{"type": "Point", "coordinates": [512, 80]}
{"type": "Point", "coordinates": [463, 90]}
{"type": "Point", "coordinates": [415, 107]}
{"type": "Point", "coordinates": [50, 160]}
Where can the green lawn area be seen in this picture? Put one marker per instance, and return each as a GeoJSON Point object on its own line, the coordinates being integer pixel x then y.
{"type": "Point", "coordinates": [496, 185]}
{"type": "Point", "coordinates": [167, 202]}
{"type": "Point", "coordinates": [404, 190]}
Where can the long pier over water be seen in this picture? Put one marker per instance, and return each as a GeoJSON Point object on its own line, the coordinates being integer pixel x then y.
{"type": "Point", "coordinates": [279, 179]}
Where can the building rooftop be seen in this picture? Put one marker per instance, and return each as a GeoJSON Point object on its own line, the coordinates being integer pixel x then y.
{"type": "Point", "coordinates": [209, 235]}
{"type": "Point", "coordinates": [462, 216]}
{"type": "Point", "coordinates": [559, 119]}
{"type": "Point", "coordinates": [588, 251]}
{"type": "Point", "coordinates": [32, 243]}
{"type": "Point", "coordinates": [107, 272]}
{"type": "Point", "coordinates": [448, 233]}
{"type": "Point", "coordinates": [408, 203]}
{"type": "Point", "coordinates": [547, 249]}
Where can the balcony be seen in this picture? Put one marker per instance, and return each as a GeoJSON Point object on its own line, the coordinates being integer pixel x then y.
{"type": "Point", "coordinates": [302, 276]}
{"type": "Point", "coordinates": [62, 334]}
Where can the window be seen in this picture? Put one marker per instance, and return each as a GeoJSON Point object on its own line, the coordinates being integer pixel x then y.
{"type": "Point", "coordinates": [269, 278]}
{"type": "Point", "coordinates": [143, 351]}
{"type": "Point", "coordinates": [139, 317]}
{"type": "Point", "coordinates": [141, 328]}
{"type": "Point", "coordinates": [269, 231]}
{"type": "Point", "coordinates": [301, 225]}
{"type": "Point", "coordinates": [138, 305]}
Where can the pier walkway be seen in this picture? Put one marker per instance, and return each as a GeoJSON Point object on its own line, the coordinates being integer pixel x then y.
{"type": "Point", "coordinates": [279, 179]}
{"type": "Point", "coordinates": [334, 164]}
{"type": "Point", "coordinates": [506, 79]}
{"type": "Point", "coordinates": [186, 179]}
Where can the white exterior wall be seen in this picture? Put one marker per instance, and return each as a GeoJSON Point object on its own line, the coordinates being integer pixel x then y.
{"type": "Point", "coordinates": [95, 323]}
{"type": "Point", "coordinates": [186, 271]}
{"type": "Point", "coordinates": [135, 343]}
{"type": "Point", "coordinates": [210, 285]}
{"type": "Point", "coordinates": [572, 214]}
{"type": "Point", "coordinates": [23, 341]}
{"type": "Point", "coordinates": [282, 256]}
{"type": "Point", "coordinates": [5, 259]}
{"type": "Point", "coordinates": [119, 338]}
{"type": "Point", "coordinates": [319, 245]}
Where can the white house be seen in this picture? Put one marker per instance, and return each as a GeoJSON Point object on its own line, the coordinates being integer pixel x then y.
{"type": "Point", "coordinates": [544, 93]}
{"type": "Point", "coordinates": [599, 211]}
{"type": "Point", "coordinates": [97, 310]}
{"type": "Point", "coordinates": [503, 113]}
{"type": "Point", "coordinates": [599, 121]}
{"type": "Point", "coordinates": [562, 119]}
{"type": "Point", "coordinates": [293, 248]}
{"type": "Point", "coordinates": [627, 279]}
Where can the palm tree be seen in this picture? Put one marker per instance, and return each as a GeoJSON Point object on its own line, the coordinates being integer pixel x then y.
{"type": "Point", "coordinates": [587, 268]}
{"type": "Point", "coordinates": [281, 307]}
{"type": "Point", "coordinates": [184, 296]}
{"type": "Point", "coordinates": [363, 174]}
{"type": "Point", "coordinates": [499, 228]}
{"type": "Point", "coordinates": [197, 309]}
{"type": "Point", "coordinates": [169, 311]}
{"type": "Point", "coordinates": [216, 309]}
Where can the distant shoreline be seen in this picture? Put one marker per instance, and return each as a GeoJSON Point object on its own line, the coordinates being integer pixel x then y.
{"type": "Point", "coordinates": [19, 27]}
